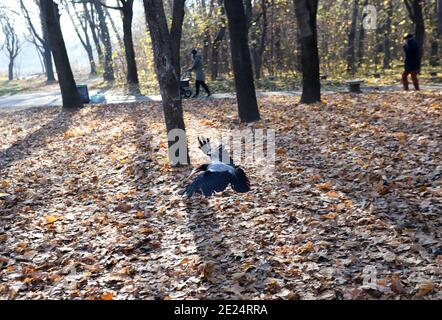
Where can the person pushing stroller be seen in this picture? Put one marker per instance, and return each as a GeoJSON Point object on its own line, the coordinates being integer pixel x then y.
{"type": "Point", "coordinates": [199, 73]}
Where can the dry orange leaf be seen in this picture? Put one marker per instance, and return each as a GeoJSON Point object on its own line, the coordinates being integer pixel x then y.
{"type": "Point", "coordinates": [146, 230]}
{"type": "Point", "coordinates": [425, 288]}
{"type": "Point", "coordinates": [51, 219]}
{"type": "Point", "coordinates": [308, 247]}
{"type": "Point", "coordinates": [333, 194]}
{"type": "Point", "coordinates": [4, 184]}
{"type": "Point", "coordinates": [183, 261]}
{"type": "Point", "coordinates": [326, 186]}
{"type": "Point", "coordinates": [329, 216]}
{"type": "Point", "coordinates": [107, 296]}
{"type": "Point", "coordinates": [139, 214]}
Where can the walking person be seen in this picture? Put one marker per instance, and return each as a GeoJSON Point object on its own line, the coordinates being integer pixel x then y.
{"type": "Point", "coordinates": [412, 62]}
{"type": "Point", "coordinates": [199, 73]}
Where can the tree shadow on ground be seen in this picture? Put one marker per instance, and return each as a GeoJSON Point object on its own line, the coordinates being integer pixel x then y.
{"type": "Point", "coordinates": [33, 142]}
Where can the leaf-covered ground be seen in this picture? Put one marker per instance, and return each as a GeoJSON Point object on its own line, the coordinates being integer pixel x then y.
{"type": "Point", "coordinates": [90, 210]}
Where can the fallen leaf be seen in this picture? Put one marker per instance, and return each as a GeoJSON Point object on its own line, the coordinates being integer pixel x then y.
{"type": "Point", "coordinates": [329, 216]}
{"type": "Point", "coordinates": [107, 296]}
{"type": "Point", "coordinates": [425, 288]}
{"type": "Point", "coordinates": [51, 219]}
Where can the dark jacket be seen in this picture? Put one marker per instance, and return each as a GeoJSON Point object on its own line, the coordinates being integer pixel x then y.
{"type": "Point", "coordinates": [412, 61]}
{"type": "Point", "coordinates": [198, 67]}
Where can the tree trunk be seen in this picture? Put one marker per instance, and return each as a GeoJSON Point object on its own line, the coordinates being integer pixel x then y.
{"type": "Point", "coordinates": [351, 39]}
{"type": "Point", "coordinates": [69, 92]}
{"type": "Point", "coordinates": [108, 74]}
{"type": "Point", "coordinates": [85, 42]}
{"type": "Point", "coordinates": [420, 30]}
{"type": "Point", "coordinates": [361, 41]}
{"type": "Point", "coordinates": [259, 48]}
{"type": "Point", "coordinates": [387, 35]}
{"type": "Point", "coordinates": [436, 33]}
{"type": "Point", "coordinates": [168, 81]}
{"type": "Point", "coordinates": [47, 55]}
{"type": "Point", "coordinates": [434, 58]}
{"type": "Point", "coordinates": [241, 61]}
{"type": "Point", "coordinates": [305, 11]}
{"type": "Point", "coordinates": [439, 17]}
{"type": "Point", "coordinates": [175, 34]}
{"type": "Point", "coordinates": [132, 72]}
{"type": "Point", "coordinates": [262, 40]}
{"type": "Point", "coordinates": [11, 70]}
{"type": "Point", "coordinates": [220, 35]}
{"type": "Point", "coordinates": [113, 26]}
{"type": "Point", "coordinates": [90, 18]}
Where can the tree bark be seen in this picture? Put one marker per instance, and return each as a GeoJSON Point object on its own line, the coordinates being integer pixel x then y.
{"type": "Point", "coordinates": [176, 31]}
{"type": "Point", "coordinates": [241, 61]}
{"type": "Point", "coordinates": [11, 70]}
{"type": "Point", "coordinates": [89, 13]}
{"type": "Point", "coordinates": [436, 34]}
{"type": "Point", "coordinates": [220, 35]}
{"type": "Point", "coordinates": [44, 42]}
{"type": "Point", "coordinates": [351, 39]}
{"type": "Point", "coordinates": [69, 92]}
{"type": "Point", "coordinates": [439, 17]}
{"type": "Point", "coordinates": [165, 70]}
{"type": "Point", "coordinates": [306, 11]}
{"type": "Point", "coordinates": [387, 35]}
{"type": "Point", "coordinates": [132, 72]}
{"type": "Point", "coordinates": [361, 41]}
{"type": "Point", "coordinates": [11, 44]}
{"type": "Point", "coordinates": [108, 74]}
{"type": "Point", "coordinates": [259, 48]}
{"type": "Point", "coordinates": [49, 67]}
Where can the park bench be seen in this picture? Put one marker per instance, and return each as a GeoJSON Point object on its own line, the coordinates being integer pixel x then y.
{"type": "Point", "coordinates": [433, 73]}
{"type": "Point", "coordinates": [377, 75]}
{"type": "Point", "coordinates": [355, 85]}
{"type": "Point", "coordinates": [324, 76]}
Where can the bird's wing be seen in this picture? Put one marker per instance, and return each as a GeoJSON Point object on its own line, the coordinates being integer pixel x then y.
{"type": "Point", "coordinates": [208, 183]}
{"type": "Point", "coordinates": [240, 182]}
{"type": "Point", "coordinates": [218, 155]}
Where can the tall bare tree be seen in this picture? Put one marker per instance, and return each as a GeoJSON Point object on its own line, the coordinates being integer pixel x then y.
{"type": "Point", "coordinates": [83, 36]}
{"type": "Point", "coordinates": [89, 12]}
{"type": "Point", "coordinates": [176, 31]}
{"type": "Point", "coordinates": [387, 34]}
{"type": "Point", "coordinates": [108, 74]}
{"type": "Point", "coordinates": [351, 67]}
{"type": "Point", "coordinates": [12, 44]}
{"type": "Point", "coordinates": [126, 9]}
{"type": "Point", "coordinates": [41, 40]}
{"type": "Point", "coordinates": [165, 69]}
{"type": "Point", "coordinates": [306, 11]}
{"type": "Point", "coordinates": [216, 43]}
{"type": "Point", "coordinates": [439, 16]}
{"type": "Point", "coordinates": [68, 88]}
{"type": "Point", "coordinates": [241, 61]}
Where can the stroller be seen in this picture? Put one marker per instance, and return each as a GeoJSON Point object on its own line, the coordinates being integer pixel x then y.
{"type": "Point", "coordinates": [185, 90]}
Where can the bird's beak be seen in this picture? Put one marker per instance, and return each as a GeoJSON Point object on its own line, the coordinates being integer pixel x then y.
{"type": "Point", "coordinates": [192, 174]}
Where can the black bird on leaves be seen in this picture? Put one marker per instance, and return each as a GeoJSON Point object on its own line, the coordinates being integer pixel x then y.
{"type": "Point", "coordinates": [217, 175]}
